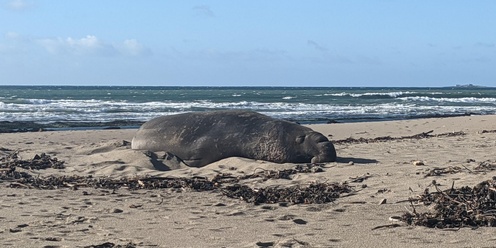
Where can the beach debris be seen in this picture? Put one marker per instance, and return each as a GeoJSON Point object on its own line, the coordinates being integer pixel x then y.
{"type": "Point", "coordinates": [487, 131]}
{"type": "Point", "coordinates": [117, 211]}
{"type": "Point", "coordinates": [283, 174]}
{"type": "Point", "coordinates": [265, 244]}
{"type": "Point", "coordinates": [360, 179]}
{"type": "Point", "coordinates": [440, 171]}
{"type": "Point", "coordinates": [298, 194]}
{"type": "Point", "coordinates": [113, 245]}
{"type": "Point", "coordinates": [383, 201]}
{"type": "Point", "coordinates": [386, 226]}
{"type": "Point", "coordinates": [283, 243]}
{"type": "Point", "coordinates": [300, 221]}
{"type": "Point", "coordinates": [395, 218]}
{"type": "Point", "coordinates": [38, 162]}
{"type": "Point", "coordinates": [423, 135]}
{"type": "Point", "coordinates": [418, 163]}
{"type": "Point", "coordinates": [382, 191]}
{"type": "Point", "coordinates": [456, 207]}
{"type": "Point", "coordinates": [486, 166]}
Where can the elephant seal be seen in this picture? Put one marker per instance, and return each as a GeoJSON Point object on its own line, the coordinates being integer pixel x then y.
{"type": "Point", "coordinates": [200, 138]}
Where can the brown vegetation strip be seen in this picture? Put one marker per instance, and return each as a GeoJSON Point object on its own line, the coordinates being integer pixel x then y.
{"type": "Point", "coordinates": [424, 135]}
{"type": "Point", "coordinates": [313, 193]}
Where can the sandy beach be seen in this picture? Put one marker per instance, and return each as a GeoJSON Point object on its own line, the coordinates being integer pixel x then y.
{"type": "Point", "coordinates": [383, 176]}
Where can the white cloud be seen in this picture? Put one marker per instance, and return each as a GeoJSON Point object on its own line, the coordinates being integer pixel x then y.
{"type": "Point", "coordinates": [204, 10]}
{"type": "Point", "coordinates": [93, 46]}
{"type": "Point", "coordinates": [89, 45]}
{"type": "Point", "coordinates": [13, 42]}
{"type": "Point", "coordinates": [132, 47]}
{"type": "Point", "coordinates": [19, 5]}
{"type": "Point", "coordinates": [12, 35]}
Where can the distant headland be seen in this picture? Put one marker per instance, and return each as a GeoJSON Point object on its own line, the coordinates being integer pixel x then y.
{"type": "Point", "coordinates": [468, 86]}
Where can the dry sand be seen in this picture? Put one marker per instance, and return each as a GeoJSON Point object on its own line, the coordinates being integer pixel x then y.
{"type": "Point", "coordinates": [184, 218]}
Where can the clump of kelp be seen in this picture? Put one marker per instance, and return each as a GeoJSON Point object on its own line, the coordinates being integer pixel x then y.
{"type": "Point", "coordinates": [227, 184]}
{"type": "Point", "coordinates": [456, 207]}
{"type": "Point", "coordinates": [313, 193]}
{"type": "Point", "coordinates": [10, 162]}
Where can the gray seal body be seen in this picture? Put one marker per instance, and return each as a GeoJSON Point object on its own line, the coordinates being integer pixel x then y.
{"type": "Point", "coordinates": [200, 138]}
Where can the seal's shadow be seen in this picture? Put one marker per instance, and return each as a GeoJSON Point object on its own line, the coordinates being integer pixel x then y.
{"type": "Point", "coordinates": [356, 160]}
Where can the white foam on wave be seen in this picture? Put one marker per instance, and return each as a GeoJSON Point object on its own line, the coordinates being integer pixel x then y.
{"type": "Point", "coordinates": [104, 110]}
{"type": "Point", "coordinates": [451, 100]}
{"type": "Point", "coordinates": [394, 94]}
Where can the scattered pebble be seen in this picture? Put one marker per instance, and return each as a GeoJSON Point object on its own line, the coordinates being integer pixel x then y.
{"type": "Point", "coordinates": [418, 163]}
{"type": "Point", "coordinates": [300, 221]}
{"type": "Point", "coordinates": [116, 210]}
{"type": "Point", "coordinates": [53, 239]}
{"type": "Point", "coordinates": [395, 218]}
{"type": "Point", "coordinates": [265, 244]}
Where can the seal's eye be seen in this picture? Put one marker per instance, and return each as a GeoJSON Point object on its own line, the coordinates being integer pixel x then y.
{"type": "Point", "coordinates": [300, 139]}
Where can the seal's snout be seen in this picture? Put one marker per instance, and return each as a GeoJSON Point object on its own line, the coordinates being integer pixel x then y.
{"type": "Point", "coordinates": [327, 153]}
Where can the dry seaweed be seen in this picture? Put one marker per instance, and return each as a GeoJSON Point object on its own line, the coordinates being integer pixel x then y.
{"type": "Point", "coordinates": [11, 161]}
{"type": "Point", "coordinates": [457, 207]}
{"type": "Point", "coordinates": [360, 179]}
{"type": "Point", "coordinates": [440, 171]}
{"type": "Point", "coordinates": [488, 131]}
{"type": "Point", "coordinates": [313, 193]}
{"type": "Point", "coordinates": [38, 162]}
{"type": "Point", "coordinates": [485, 166]}
{"type": "Point", "coordinates": [423, 135]}
{"type": "Point", "coordinates": [75, 182]}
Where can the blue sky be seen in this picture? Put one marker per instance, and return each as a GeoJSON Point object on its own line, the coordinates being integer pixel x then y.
{"type": "Point", "coordinates": [248, 43]}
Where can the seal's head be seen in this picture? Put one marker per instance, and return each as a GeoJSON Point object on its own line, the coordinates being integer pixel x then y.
{"type": "Point", "coordinates": [318, 146]}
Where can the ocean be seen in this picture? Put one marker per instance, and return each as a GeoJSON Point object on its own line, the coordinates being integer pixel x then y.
{"type": "Point", "coordinates": [24, 108]}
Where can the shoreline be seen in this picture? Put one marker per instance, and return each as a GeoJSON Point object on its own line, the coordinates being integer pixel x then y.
{"type": "Point", "coordinates": [382, 174]}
